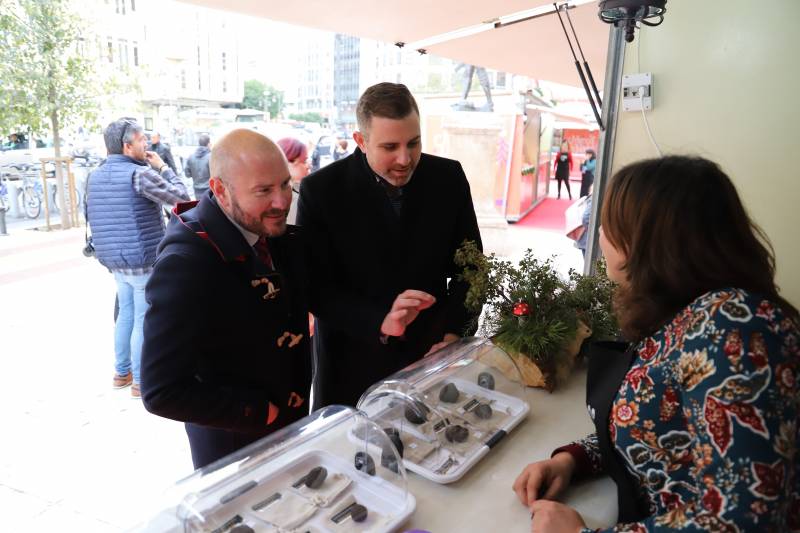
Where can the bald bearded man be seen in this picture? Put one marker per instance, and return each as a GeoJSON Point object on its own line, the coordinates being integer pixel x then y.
{"type": "Point", "coordinates": [226, 345]}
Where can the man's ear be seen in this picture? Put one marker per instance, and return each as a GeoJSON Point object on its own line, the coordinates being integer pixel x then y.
{"type": "Point", "coordinates": [219, 190]}
{"type": "Point", "coordinates": [358, 137]}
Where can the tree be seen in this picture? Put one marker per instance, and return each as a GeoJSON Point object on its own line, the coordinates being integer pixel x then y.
{"type": "Point", "coordinates": [254, 95]}
{"type": "Point", "coordinates": [46, 82]}
{"type": "Point", "coordinates": [310, 116]}
{"type": "Point", "coordinates": [274, 101]}
{"type": "Point", "coordinates": [258, 95]}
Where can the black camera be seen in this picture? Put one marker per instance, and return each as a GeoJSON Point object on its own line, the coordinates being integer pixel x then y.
{"type": "Point", "coordinates": [88, 250]}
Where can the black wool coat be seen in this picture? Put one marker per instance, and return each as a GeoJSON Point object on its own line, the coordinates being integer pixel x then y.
{"type": "Point", "coordinates": [219, 344]}
{"type": "Point", "coordinates": [362, 255]}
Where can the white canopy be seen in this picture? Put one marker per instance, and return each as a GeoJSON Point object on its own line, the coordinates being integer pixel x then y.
{"type": "Point", "coordinates": [535, 48]}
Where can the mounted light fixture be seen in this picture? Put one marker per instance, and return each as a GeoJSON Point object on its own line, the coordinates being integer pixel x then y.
{"type": "Point", "coordinates": [630, 12]}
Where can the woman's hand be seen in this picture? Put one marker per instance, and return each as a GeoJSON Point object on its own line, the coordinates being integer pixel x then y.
{"type": "Point", "coordinates": [549, 477]}
{"type": "Point", "coordinates": [554, 517]}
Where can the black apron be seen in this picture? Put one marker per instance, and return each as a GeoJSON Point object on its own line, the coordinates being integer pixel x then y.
{"type": "Point", "coordinates": [609, 362]}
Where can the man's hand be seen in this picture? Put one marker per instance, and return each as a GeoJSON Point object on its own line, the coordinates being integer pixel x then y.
{"type": "Point", "coordinates": [448, 338]}
{"type": "Point", "coordinates": [404, 310]}
{"type": "Point", "coordinates": [554, 517]}
{"type": "Point", "coordinates": [553, 474]}
{"type": "Point", "coordinates": [154, 160]}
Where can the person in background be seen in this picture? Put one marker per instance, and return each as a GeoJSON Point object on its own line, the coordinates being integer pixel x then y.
{"type": "Point", "coordinates": [297, 155]}
{"type": "Point", "coordinates": [197, 166]}
{"type": "Point", "coordinates": [697, 418]}
{"type": "Point", "coordinates": [341, 150]}
{"type": "Point", "coordinates": [585, 218]}
{"type": "Point", "coordinates": [562, 167]}
{"type": "Point", "coordinates": [226, 347]}
{"type": "Point", "coordinates": [587, 172]}
{"type": "Point", "coordinates": [162, 150]}
{"type": "Point", "coordinates": [124, 200]}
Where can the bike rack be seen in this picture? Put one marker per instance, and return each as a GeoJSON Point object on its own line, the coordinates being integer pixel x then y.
{"type": "Point", "coordinates": [72, 209]}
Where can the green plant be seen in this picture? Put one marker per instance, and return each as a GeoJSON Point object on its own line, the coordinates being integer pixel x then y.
{"type": "Point", "coordinates": [529, 308]}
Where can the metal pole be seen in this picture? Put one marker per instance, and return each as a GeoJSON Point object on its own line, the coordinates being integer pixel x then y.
{"type": "Point", "coordinates": [585, 63]}
{"type": "Point", "coordinates": [605, 152]}
{"type": "Point", "coordinates": [3, 230]}
{"type": "Point", "coordinates": [580, 73]}
{"type": "Point", "coordinates": [46, 199]}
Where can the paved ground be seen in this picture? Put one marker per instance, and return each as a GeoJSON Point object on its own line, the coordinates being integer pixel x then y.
{"type": "Point", "coordinates": [76, 455]}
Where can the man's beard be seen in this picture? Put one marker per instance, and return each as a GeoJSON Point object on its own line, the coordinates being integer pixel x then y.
{"type": "Point", "coordinates": [393, 181]}
{"type": "Point", "coordinates": [256, 225]}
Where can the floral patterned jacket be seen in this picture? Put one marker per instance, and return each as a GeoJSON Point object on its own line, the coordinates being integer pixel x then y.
{"type": "Point", "coordinates": [706, 419]}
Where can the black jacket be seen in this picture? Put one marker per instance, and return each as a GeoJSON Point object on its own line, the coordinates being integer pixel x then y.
{"type": "Point", "coordinates": [362, 255]}
{"type": "Point", "coordinates": [165, 154]}
{"type": "Point", "coordinates": [216, 351]}
{"type": "Point", "coordinates": [197, 167]}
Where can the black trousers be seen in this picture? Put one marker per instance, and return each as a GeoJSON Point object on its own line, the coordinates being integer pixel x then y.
{"type": "Point", "coordinates": [566, 182]}
{"type": "Point", "coordinates": [587, 178]}
{"type": "Point", "coordinates": [209, 444]}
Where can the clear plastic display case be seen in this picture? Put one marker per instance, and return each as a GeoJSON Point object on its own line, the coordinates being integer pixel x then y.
{"type": "Point", "coordinates": [312, 476]}
{"type": "Point", "coordinates": [446, 411]}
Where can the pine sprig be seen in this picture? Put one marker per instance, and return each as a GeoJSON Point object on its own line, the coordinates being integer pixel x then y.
{"type": "Point", "coordinates": [495, 286]}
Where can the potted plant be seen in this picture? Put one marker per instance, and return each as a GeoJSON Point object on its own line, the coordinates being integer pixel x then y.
{"type": "Point", "coordinates": [538, 318]}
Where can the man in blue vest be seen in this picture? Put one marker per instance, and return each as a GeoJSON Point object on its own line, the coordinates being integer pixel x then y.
{"type": "Point", "coordinates": [125, 197]}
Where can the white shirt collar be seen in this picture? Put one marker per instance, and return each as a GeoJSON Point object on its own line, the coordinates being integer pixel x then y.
{"type": "Point", "coordinates": [248, 235]}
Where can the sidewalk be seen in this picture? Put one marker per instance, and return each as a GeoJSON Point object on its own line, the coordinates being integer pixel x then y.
{"type": "Point", "coordinates": [76, 455]}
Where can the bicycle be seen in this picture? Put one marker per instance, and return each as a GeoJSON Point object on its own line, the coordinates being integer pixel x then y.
{"type": "Point", "coordinates": [32, 194]}
{"type": "Point", "coordinates": [5, 203]}
{"type": "Point", "coordinates": [32, 189]}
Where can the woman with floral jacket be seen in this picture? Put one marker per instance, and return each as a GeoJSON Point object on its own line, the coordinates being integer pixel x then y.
{"type": "Point", "coordinates": [697, 420]}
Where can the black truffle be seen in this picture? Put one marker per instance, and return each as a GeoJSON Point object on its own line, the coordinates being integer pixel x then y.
{"type": "Point", "coordinates": [483, 411]}
{"type": "Point", "coordinates": [316, 477]}
{"type": "Point", "coordinates": [456, 433]}
{"type": "Point", "coordinates": [416, 412]}
{"type": "Point", "coordinates": [358, 513]}
{"type": "Point", "coordinates": [449, 393]}
{"type": "Point", "coordinates": [394, 436]}
{"type": "Point", "coordinates": [365, 463]}
{"type": "Point", "coordinates": [486, 380]}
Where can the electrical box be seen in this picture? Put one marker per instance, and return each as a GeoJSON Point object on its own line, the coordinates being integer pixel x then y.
{"type": "Point", "coordinates": [637, 92]}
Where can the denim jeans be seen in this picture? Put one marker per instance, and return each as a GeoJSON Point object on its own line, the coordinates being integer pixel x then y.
{"type": "Point", "coordinates": [128, 333]}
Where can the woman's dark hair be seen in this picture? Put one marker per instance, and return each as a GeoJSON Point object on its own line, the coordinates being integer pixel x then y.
{"type": "Point", "coordinates": [684, 232]}
{"type": "Point", "coordinates": [590, 151]}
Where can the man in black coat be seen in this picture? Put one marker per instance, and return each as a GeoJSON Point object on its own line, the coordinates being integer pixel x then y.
{"type": "Point", "coordinates": [226, 346]}
{"type": "Point", "coordinates": [383, 225]}
{"type": "Point", "coordinates": [163, 151]}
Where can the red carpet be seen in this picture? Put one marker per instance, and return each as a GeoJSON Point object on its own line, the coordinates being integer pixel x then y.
{"type": "Point", "coordinates": [548, 215]}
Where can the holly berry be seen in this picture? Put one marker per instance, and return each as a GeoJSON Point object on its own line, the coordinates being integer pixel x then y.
{"type": "Point", "coordinates": [521, 309]}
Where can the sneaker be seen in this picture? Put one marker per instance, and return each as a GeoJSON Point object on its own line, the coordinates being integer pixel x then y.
{"type": "Point", "coordinates": [120, 382]}
{"type": "Point", "coordinates": [135, 392]}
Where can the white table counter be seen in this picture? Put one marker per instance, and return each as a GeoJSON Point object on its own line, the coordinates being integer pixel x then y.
{"type": "Point", "coordinates": [483, 499]}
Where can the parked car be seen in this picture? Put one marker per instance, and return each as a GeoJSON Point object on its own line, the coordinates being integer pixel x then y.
{"type": "Point", "coordinates": [23, 151]}
{"type": "Point", "coordinates": [323, 152]}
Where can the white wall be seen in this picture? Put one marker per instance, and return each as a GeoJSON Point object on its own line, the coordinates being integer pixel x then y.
{"type": "Point", "coordinates": [727, 87]}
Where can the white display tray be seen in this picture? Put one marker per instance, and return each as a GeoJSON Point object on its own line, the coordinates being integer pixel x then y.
{"type": "Point", "coordinates": [387, 504]}
{"type": "Point", "coordinates": [480, 441]}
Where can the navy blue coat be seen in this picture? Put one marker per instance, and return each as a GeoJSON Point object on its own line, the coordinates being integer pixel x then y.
{"type": "Point", "coordinates": [225, 337]}
{"type": "Point", "coordinates": [362, 255]}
